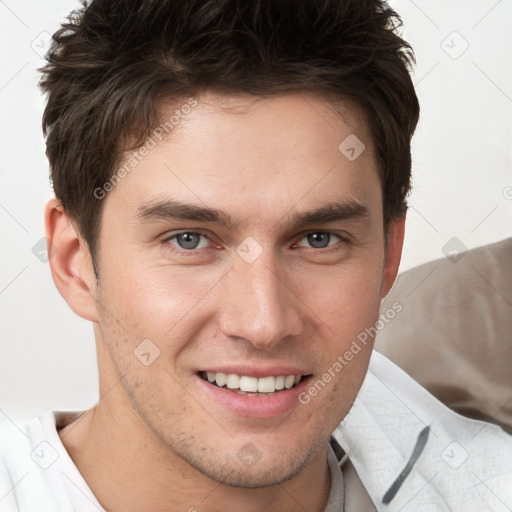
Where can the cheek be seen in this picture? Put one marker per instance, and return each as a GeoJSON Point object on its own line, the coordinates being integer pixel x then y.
{"type": "Point", "coordinates": [346, 298]}
{"type": "Point", "coordinates": [158, 301]}
{"type": "Point", "coordinates": [345, 306]}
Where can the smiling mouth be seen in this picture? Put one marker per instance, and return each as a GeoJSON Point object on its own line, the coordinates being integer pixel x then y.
{"type": "Point", "coordinates": [253, 386]}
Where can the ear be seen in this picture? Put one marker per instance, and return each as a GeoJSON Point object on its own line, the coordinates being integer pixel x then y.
{"type": "Point", "coordinates": [70, 262]}
{"type": "Point", "coordinates": [395, 236]}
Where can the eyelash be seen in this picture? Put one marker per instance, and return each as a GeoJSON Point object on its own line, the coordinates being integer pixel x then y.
{"type": "Point", "coordinates": [194, 251]}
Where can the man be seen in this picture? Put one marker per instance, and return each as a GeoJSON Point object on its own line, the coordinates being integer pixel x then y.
{"type": "Point", "coordinates": [230, 182]}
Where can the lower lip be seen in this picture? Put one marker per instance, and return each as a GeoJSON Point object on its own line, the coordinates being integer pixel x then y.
{"type": "Point", "coordinates": [267, 406]}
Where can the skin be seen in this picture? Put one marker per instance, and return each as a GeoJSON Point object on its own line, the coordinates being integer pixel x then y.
{"type": "Point", "coordinates": [155, 441]}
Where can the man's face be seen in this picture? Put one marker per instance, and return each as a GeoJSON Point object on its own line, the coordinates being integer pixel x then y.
{"type": "Point", "coordinates": [266, 262]}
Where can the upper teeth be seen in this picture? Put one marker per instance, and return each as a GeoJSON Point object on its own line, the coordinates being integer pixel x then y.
{"type": "Point", "coordinates": [253, 384]}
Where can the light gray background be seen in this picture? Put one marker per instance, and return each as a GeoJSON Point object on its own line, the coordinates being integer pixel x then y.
{"type": "Point", "coordinates": [462, 178]}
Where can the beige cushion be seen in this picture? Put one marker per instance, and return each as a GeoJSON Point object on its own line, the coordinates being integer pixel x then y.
{"type": "Point", "coordinates": [454, 334]}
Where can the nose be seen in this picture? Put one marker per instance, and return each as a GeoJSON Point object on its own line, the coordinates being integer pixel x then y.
{"type": "Point", "coordinates": [259, 304]}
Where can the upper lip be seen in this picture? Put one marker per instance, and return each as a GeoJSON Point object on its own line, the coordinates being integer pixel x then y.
{"type": "Point", "coordinates": [256, 371]}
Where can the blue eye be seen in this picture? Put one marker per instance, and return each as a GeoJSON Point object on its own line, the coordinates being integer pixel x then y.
{"type": "Point", "coordinates": [189, 240]}
{"type": "Point", "coordinates": [319, 240]}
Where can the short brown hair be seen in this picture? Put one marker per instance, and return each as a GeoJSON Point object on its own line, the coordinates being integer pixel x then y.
{"type": "Point", "coordinates": [113, 60]}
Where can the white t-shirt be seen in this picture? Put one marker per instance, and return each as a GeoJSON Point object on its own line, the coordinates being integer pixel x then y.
{"type": "Point", "coordinates": [38, 475]}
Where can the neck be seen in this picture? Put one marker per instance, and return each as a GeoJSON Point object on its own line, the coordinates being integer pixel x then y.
{"type": "Point", "coordinates": [129, 469]}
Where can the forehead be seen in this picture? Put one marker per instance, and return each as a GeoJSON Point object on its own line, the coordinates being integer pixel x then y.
{"type": "Point", "coordinates": [296, 123]}
{"type": "Point", "coordinates": [240, 150]}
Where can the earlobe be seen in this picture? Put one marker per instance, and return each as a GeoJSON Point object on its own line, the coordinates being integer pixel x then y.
{"type": "Point", "coordinates": [70, 262]}
{"type": "Point", "coordinates": [396, 231]}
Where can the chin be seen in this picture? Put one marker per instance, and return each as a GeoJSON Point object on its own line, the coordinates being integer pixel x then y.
{"type": "Point", "coordinates": [253, 463]}
{"type": "Point", "coordinates": [260, 474]}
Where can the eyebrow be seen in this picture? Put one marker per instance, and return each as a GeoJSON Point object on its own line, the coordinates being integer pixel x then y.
{"type": "Point", "coordinates": [171, 209]}
{"type": "Point", "coordinates": [349, 210]}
